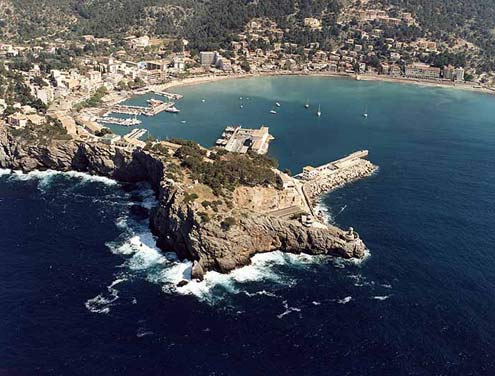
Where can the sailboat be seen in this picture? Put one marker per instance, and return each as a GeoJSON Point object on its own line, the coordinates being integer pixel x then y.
{"type": "Point", "coordinates": [365, 114]}
{"type": "Point", "coordinates": [307, 104]}
{"type": "Point", "coordinates": [319, 111]}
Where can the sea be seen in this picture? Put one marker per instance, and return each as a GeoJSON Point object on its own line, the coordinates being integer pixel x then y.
{"type": "Point", "coordinates": [85, 291]}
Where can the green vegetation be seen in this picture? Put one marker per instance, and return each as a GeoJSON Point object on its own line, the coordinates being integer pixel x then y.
{"type": "Point", "coordinates": [190, 197]}
{"type": "Point", "coordinates": [211, 25]}
{"type": "Point", "coordinates": [42, 134]}
{"type": "Point", "coordinates": [228, 222]}
{"type": "Point", "coordinates": [103, 131]}
{"type": "Point", "coordinates": [14, 90]}
{"type": "Point", "coordinates": [94, 100]}
{"type": "Point", "coordinates": [228, 172]}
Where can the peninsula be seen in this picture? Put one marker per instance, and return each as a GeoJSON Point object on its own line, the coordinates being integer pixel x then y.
{"type": "Point", "coordinates": [215, 207]}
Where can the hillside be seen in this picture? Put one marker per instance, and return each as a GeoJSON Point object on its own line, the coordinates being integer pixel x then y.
{"type": "Point", "coordinates": [210, 24]}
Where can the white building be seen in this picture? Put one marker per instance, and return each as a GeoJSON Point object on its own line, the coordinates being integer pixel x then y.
{"type": "Point", "coordinates": [208, 58]}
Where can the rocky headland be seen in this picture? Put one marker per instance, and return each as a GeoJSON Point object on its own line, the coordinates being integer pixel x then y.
{"type": "Point", "coordinates": [216, 228]}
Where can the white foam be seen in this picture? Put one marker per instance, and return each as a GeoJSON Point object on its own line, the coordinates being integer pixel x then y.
{"type": "Point", "coordinates": [46, 177]}
{"type": "Point", "coordinates": [262, 292]}
{"type": "Point", "coordinates": [4, 171]}
{"type": "Point", "coordinates": [138, 245]}
{"type": "Point", "coordinates": [87, 178]}
{"type": "Point", "coordinates": [360, 280]}
{"type": "Point", "coordinates": [341, 263]}
{"type": "Point", "coordinates": [321, 209]}
{"type": "Point", "coordinates": [288, 310]}
{"type": "Point", "coordinates": [147, 196]}
{"type": "Point", "coordinates": [345, 300]}
{"type": "Point", "coordinates": [102, 302]}
{"type": "Point", "coordinates": [381, 298]}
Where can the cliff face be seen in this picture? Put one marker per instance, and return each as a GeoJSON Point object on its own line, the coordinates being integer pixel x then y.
{"type": "Point", "coordinates": [222, 248]}
{"type": "Point", "coordinates": [175, 221]}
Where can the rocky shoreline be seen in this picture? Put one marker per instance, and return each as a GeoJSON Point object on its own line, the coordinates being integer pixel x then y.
{"type": "Point", "coordinates": [176, 221]}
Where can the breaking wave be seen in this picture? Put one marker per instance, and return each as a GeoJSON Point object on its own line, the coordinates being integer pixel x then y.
{"type": "Point", "coordinates": [4, 171]}
{"type": "Point", "coordinates": [383, 297]}
{"type": "Point", "coordinates": [45, 178]}
{"type": "Point", "coordinates": [102, 302]}
{"type": "Point", "coordinates": [345, 300]}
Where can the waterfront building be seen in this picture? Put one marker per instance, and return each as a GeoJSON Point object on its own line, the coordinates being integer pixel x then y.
{"type": "Point", "coordinates": [459, 74]}
{"type": "Point", "coordinates": [422, 71]}
{"type": "Point", "coordinates": [208, 58]}
{"type": "Point", "coordinates": [241, 140]}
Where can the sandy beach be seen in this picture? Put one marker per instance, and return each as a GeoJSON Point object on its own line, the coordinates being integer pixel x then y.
{"type": "Point", "coordinates": [213, 78]}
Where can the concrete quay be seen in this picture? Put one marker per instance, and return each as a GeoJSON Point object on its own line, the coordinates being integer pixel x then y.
{"type": "Point", "coordinates": [335, 174]}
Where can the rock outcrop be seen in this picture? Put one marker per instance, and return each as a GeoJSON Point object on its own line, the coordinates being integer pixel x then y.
{"type": "Point", "coordinates": [210, 244]}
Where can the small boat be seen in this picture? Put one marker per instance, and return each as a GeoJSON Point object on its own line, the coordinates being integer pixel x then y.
{"type": "Point", "coordinates": [173, 110]}
{"type": "Point", "coordinates": [277, 104]}
{"type": "Point", "coordinates": [154, 102]}
{"type": "Point", "coordinates": [306, 105]}
{"type": "Point", "coordinates": [365, 114]}
{"type": "Point", "coordinates": [272, 111]}
{"type": "Point", "coordinates": [203, 100]}
{"type": "Point", "coordinates": [241, 106]}
{"type": "Point", "coordinates": [319, 111]}
{"type": "Point", "coordinates": [183, 121]}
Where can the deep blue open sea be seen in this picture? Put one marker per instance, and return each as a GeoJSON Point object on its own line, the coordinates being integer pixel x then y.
{"type": "Point", "coordinates": [84, 291]}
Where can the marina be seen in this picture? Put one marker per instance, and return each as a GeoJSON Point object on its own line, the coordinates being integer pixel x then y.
{"type": "Point", "coordinates": [129, 122]}
{"type": "Point", "coordinates": [154, 108]}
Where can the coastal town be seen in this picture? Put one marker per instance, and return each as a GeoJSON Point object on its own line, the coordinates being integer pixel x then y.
{"type": "Point", "coordinates": [82, 81]}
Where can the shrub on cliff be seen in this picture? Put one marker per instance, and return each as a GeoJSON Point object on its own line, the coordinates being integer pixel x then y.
{"type": "Point", "coordinates": [229, 171]}
{"type": "Point", "coordinates": [228, 222]}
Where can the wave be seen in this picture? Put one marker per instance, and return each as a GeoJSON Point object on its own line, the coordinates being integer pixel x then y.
{"type": "Point", "coordinates": [381, 298]}
{"type": "Point", "coordinates": [45, 178]}
{"type": "Point", "coordinates": [324, 212]}
{"type": "Point", "coordinates": [4, 172]}
{"type": "Point", "coordinates": [102, 302]}
{"type": "Point", "coordinates": [137, 245]}
{"type": "Point", "coordinates": [143, 257]}
{"type": "Point", "coordinates": [288, 310]}
{"type": "Point", "coordinates": [345, 300]}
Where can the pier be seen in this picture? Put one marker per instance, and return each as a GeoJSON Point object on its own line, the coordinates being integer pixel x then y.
{"type": "Point", "coordinates": [154, 108]}
{"type": "Point", "coordinates": [316, 180]}
{"type": "Point", "coordinates": [170, 96]}
{"type": "Point", "coordinates": [241, 140]}
{"type": "Point", "coordinates": [135, 134]}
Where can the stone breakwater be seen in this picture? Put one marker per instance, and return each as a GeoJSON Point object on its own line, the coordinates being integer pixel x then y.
{"type": "Point", "coordinates": [326, 182]}
{"type": "Point", "coordinates": [175, 220]}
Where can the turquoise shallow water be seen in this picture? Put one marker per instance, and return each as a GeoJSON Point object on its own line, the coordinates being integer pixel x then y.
{"type": "Point", "coordinates": [422, 303]}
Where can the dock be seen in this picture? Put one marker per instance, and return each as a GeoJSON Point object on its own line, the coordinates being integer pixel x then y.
{"type": "Point", "coordinates": [170, 96]}
{"type": "Point", "coordinates": [154, 108]}
{"type": "Point", "coordinates": [332, 175]}
{"type": "Point", "coordinates": [136, 134]}
{"type": "Point", "coordinates": [242, 140]}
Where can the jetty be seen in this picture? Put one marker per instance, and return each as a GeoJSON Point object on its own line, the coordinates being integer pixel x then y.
{"type": "Point", "coordinates": [154, 108]}
{"type": "Point", "coordinates": [332, 175]}
{"type": "Point", "coordinates": [170, 96]}
{"type": "Point", "coordinates": [241, 140]}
